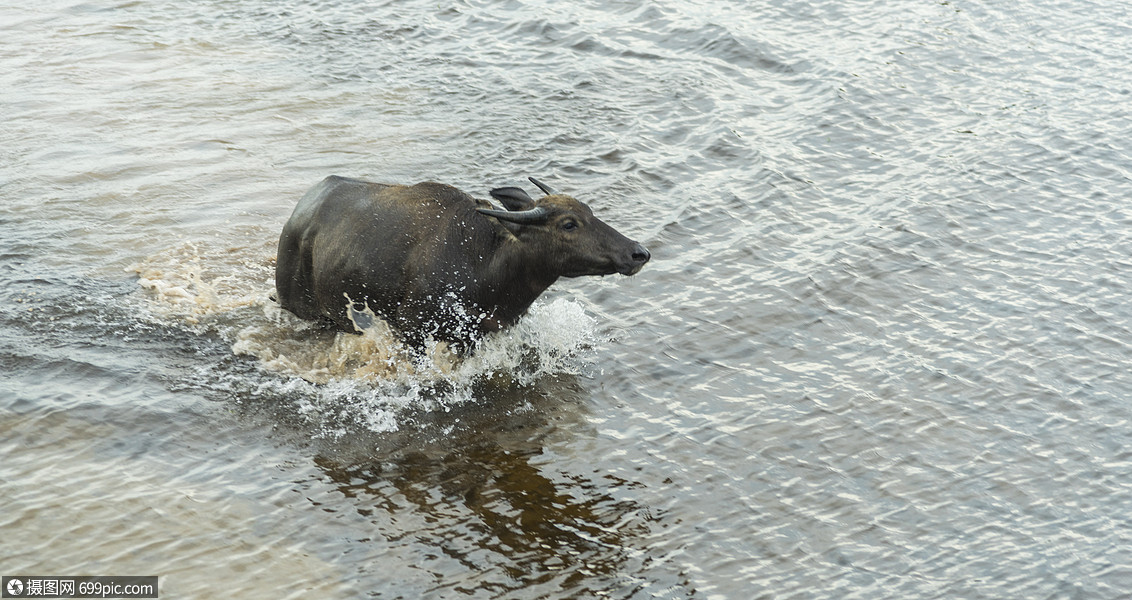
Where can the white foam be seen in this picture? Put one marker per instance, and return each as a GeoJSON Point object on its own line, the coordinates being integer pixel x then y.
{"type": "Point", "coordinates": [366, 381]}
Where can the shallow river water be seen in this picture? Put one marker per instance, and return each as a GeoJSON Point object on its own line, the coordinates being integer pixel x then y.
{"type": "Point", "coordinates": [882, 350]}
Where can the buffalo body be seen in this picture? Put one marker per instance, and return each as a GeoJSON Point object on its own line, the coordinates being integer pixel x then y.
{"type": "Point", "coordinates": [433, 261]}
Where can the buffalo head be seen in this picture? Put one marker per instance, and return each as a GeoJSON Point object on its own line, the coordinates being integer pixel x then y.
{"type": "Point", "coordinates": [565, 232]}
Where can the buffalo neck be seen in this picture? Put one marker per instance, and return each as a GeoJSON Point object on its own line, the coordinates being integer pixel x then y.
{"type": "Point", "coordinates": [516, 275]}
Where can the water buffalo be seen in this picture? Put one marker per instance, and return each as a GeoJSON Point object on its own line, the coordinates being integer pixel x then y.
{"type": "Point", "coordinates": [435, 262]}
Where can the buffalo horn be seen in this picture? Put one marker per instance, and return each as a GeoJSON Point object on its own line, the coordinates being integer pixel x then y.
{"type": "Point", "coordinates": [542, 186]}
{"type": "Point", "coordinates": [524, 217]}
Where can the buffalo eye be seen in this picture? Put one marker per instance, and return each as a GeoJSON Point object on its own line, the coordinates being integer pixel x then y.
{"type": "Point", "coordinates": [569, 225]}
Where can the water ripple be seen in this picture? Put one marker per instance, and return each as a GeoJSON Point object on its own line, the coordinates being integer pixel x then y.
{"type": "Point", "coordinates": [881, 350]}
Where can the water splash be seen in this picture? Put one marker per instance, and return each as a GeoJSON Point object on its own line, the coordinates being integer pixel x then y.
{"type": "Point", "coordinates": [344, 382]}
{"type": "Point", "coordinates": [193, 282]}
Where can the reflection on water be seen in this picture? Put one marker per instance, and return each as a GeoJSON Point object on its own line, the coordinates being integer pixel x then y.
{"type": "Point", "coordinates": [520, 527]}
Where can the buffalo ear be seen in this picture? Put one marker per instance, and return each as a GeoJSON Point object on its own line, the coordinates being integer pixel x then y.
{"type": "Point", "coordinates": [513, 198]}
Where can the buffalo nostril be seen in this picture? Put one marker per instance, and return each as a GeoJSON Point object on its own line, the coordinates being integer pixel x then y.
{"type": "Point", "coordinates": [641, 255]}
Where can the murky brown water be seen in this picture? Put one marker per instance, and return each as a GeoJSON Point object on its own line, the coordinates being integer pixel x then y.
{"type": "Point", "coordinates": [882, 349]}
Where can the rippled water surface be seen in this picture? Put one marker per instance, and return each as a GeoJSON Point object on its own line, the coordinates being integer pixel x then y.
{"type": "Point", "coordinates": [882, 349]}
